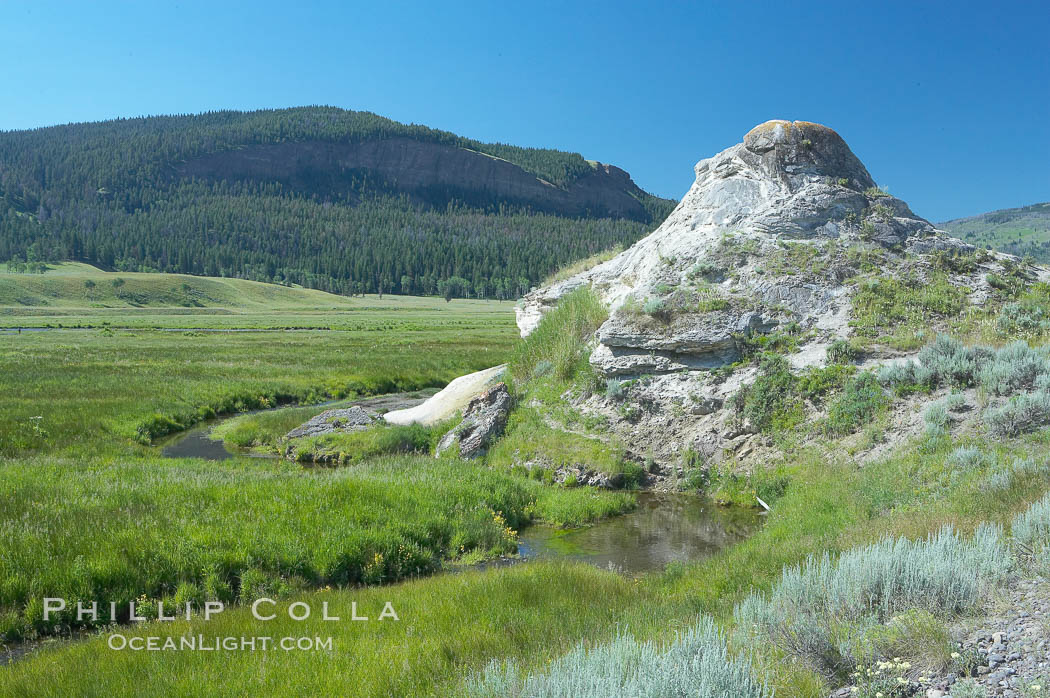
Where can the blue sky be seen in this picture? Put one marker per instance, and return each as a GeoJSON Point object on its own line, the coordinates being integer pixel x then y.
{"type": "Point", "coordinates": [948, 104]}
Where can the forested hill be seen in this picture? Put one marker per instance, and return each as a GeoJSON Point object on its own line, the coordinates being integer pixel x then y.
{"type": "Point", "coordinates": [332, 199]}
{"type": "Point", "coordinates": [1021, 231]}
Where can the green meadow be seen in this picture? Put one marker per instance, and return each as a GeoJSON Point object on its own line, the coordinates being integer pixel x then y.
{"type": "Point", "coordinates": [66, 389]}
{"type": "Point", "coordinates": [453, 625]}
{"type": "Point", "coordinates": [89, 509]}
{"type": "Point", "coordinates": [105, 376]}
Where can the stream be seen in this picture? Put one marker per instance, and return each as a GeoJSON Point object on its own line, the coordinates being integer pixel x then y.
{"type": "Point", "coordinates": [664, 528]}
{"type": "Point", "coordinates": [196, 442]}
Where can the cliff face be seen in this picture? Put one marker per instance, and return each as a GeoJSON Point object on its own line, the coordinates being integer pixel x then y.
{"type": "Point", "coordinates": [428, 171]}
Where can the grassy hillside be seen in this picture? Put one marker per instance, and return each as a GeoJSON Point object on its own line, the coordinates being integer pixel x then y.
{"type": "Point", "coordinates": [1020, 231]}
{"type": "Point", "coordinates": [78, 285]}
{"type": "Point", "coordinates": [72, 294]}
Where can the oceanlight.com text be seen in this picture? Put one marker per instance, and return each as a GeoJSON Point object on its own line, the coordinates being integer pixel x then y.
{"type": "Point", "coordinates": [200, 643]}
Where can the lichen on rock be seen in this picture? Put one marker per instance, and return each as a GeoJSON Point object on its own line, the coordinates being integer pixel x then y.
{"type": "Point", "coordinates": [330, 421]}
{"type": "Point", "coordinates": [483, 421]}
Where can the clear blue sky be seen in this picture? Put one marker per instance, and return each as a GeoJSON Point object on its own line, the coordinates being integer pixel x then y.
{"type": "Point", "coordinates": [947, 103]}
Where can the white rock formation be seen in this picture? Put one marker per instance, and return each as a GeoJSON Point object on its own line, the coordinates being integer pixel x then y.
{"type": "Point", "coordinates": [682, 297]}
{"type": "Point", "coordinates": [450, 400]}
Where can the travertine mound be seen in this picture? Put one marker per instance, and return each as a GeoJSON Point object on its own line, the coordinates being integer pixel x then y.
{"type": "Point", "coordinates": [452, 398]}
{"type": "Point", "coordinates": [717, 270]}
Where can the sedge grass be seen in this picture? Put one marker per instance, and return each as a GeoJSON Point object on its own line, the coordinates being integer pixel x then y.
{"type": "Point", "coordinates": [118, 530]}
{"type": "Point", "coordinates": [69, 389]}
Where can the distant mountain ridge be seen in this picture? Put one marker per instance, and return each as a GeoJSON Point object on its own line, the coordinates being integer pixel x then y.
{"type": "Point", "coordinates": [1021, 231]}
{"type": "Point", "coordinates": [433, 173]}
{"type": "Point", "coordinates": [339, 200]}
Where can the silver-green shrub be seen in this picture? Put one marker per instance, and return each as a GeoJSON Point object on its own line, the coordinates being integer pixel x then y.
{"type": "Point", "coordinates": [898, 372]}
{"type": "Point", "coordinates": [966, 458]}
{"type": "Point", "coordinates": [696, 664]}
{"type": "Point", "coordinates": [704, 268]}
{"type": "Point", "coordinates": [1013, 368]}
{"type": "Point", "coordinates": [945, 361]}
{"type": "Point", "coordinates": [1021, 414]}
{"type": "Point", "coordinates": [1004, 475]}
{"type": "Point", "coordinates": [820, 609]}
{"type": "Point", "coordinates": [906, 373]}
{"type": "Point", "coordinates": [657, 307]}
{"type": "Point", "coordinates": [1030, 531]}
{"type": "Point", "coordinates": [937, 420]}
{"type": "Point", "coordinates": [936, 415]}
{"type": "Point", "coordinates": [1042, 383]}
{"type": "Point", "coordinates": [1022, 317]}
{"type": "Point", "coordinates": [999, 480]}
{"type": "Point", "coordinates": [952, 362]}
{"type": "Point", "coordinates": [1017, 370]}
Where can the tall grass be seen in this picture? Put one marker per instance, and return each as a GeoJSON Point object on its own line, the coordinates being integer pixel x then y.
{"type": "Point", "coordinates": [552, 359]}
{"type": "Point", "coordinates": [561, 337]}
{"type": "Point", "coordinates": [1011, 473]}
{"type": "Point", "coordinates": [532, 613]}
{"type": "Point", "coordinates": [450, 625]}
{"type": "Point", "coordinates": [355, 447]}
{"type": "Point", "coordinates": [530, 439]}
{"type": "Point", "coordinates": [241, 528]}
{"type": "Point", "coordinates": [115, 530]}
{"type": "Point", "coordinates": [96, 391]}
{"type": "Point", "coordinates": [265, 429]}
{"type": "Point", "coordinates": [582, 265]}
{"type": "Point", "coordinates": [832, 612]}
{"type": "Point", "coordinates": [88, 513]}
